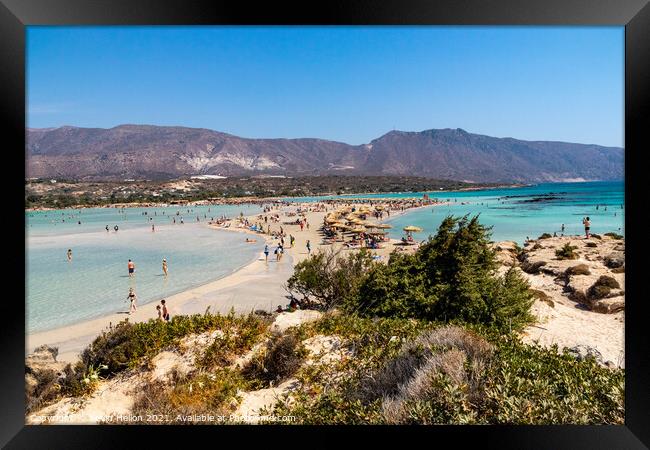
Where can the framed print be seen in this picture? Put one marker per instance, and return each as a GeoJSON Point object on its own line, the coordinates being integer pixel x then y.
{"type": "Point", "coordinates": [372, 218]}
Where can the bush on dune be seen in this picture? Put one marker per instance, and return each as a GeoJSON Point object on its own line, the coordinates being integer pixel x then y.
{"type": "Point", "coordinates": [282, 357]}
{"type": "Point", "coordinates": [328, 279]}
{"type": "Point", "coordinates": [128, 345]}
{"type": "Point", "coordinates": [451, 277]}
{"type": "Point", "coordinates": [453, 375]}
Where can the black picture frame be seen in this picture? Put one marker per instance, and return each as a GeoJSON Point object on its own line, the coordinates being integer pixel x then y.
{"type": "Point", "coordinates": [15, 15]}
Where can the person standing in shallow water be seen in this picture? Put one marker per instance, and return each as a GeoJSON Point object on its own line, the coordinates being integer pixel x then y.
{"type": "Point", "coordinates": [164, 266]}
{"type": "Point", "coordinates": [131, 267]}
{"type": "Point", "coordinates": [587, 223]}
{"type": "Point", "coordinates": [266, 253]}
{"type": "Point", "coordinates": [132, 298]}
{"type": "Point", "coordinates": [69, 254]}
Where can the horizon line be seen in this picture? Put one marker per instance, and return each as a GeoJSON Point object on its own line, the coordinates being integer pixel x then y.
{"type": "Point", "coordinates": [318, 138]}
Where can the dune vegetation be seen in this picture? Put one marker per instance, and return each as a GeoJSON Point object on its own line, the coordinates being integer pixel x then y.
{"type": "Point", "coordinates": [427, 338]}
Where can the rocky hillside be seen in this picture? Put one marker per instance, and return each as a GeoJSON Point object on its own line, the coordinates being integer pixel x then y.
{"type": "Point", "coordinates": [155, 152]}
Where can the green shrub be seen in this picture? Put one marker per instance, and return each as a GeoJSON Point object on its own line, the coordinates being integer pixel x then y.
{"type": "Point", "coordinates": [614, 235]}
{"type": "Point", "coordinates": [532, 268]}
{"type": "Point", "coordinates": [580, 269]}
{"type": "Point", "coordinates": [327, 279]}
{"type": "Point", "coordinates": [214, 393]}
{"type": "Point", "coordinates": [591, 244]}
{"type": "Point", "coordinates": [128, 345]}
{"type": "Point", "coordinates": [602, 287]}
{"type": "Point", "coordinates": [606, 280]}
{"type": "Point", "coordinates": [543, 297]}
{"type": "Point", "coordinates": [545, 236]}
{"type": "Point", "coordinates": [46, 389]}
{"type": "Point", "coordinates": [450, 277]}
{"type": "Point", "coordinates": [529, 384]}
{"type": "Point", "coordinates": [408, 371]}
{"type": "Point", "coordinates": [566, 252]}
{"type": "Point", "coordinates": [282, 357]}
{"type": "Point", "coordinates": [537, 246]}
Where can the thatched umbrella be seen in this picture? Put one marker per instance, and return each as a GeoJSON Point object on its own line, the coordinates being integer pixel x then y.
{"type": "Point", "coordinates": [358, 230]}
{"type": "Point", "coordinates": [383, 226]}
{"type": "Point", "coordinates": [411, 229]}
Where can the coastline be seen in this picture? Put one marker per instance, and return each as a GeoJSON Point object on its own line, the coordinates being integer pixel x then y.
{"type": "Point", "coordinates": [74, 337]}
{"type": "Point", "coordinates": [258, 200]}
{"type": "Point", "coordinates": [256, 285]}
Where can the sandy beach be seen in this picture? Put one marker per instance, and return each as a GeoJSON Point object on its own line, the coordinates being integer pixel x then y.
{"type": "Point", "coordinates": [258, 285]}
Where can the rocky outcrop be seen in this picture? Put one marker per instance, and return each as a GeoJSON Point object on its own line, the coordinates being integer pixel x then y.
{"type": "Point", "coordinates": [579, 303]}
{"type": "Point", "coordinates": [594, 278]}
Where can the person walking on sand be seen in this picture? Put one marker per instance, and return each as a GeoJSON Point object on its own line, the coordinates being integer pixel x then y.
{"type": "Point", "coordinates": [292, 240]}
{"type": "Point", "coordinates": [69, 254]}
{"type": "Point", "coordinates": [308, 247]}
{"type": "Point", "coordinates": [165, 313]}
{"type": "Point", "coordinates": [266, 253]}
{"type": "Point", "coordinates": [302, 225]}
{"type": "Point", "coordinates": [131, 267]}
{"type": "Point", "coordinates": [159, 312]}
{"type": "Point", "coordinates": [164, 266]}
{"type": "Point", "coordinates": [587, 223]}
{"type": "Point", "coordinates": [562, 228]}
{"type": "Point", "coordinates": [133, 299]}
{"type": "Point", "coordinates": [153, 227]}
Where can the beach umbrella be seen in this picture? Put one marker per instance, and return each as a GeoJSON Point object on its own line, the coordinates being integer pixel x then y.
{"type": "Point", "coordinates": [383, 226]}
{"type": "Point", "coordinates": [358, 230]}
{"type": "Point", "coordinates": [377, 232]}
{"type": "Point", "coordinates": [412, 228]}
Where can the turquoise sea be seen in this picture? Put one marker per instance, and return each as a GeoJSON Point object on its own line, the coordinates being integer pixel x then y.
{"type": "Point", "coordinates": [96, 282]}
{"type": "Point", "coordinates": [517, 213]}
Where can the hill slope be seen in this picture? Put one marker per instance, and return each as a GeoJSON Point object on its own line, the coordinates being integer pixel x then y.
{"type": "Point", "coordinates": [137, 151]}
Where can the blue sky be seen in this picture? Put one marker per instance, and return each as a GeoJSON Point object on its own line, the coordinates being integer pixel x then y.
{"type": "Point", "coordinates": [349, 84]}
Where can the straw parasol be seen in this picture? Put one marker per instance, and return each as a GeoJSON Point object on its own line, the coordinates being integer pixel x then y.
{"type": "Point", "coordinates": [383, 226]}
{"type": "Point", "coordinates": [411, 228]}
{"type": "Point", "coordinates": [358, 230]}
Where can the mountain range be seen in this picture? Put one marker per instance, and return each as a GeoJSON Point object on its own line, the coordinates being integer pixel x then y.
{"type": "Point", "coordinates": [164, 152]}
